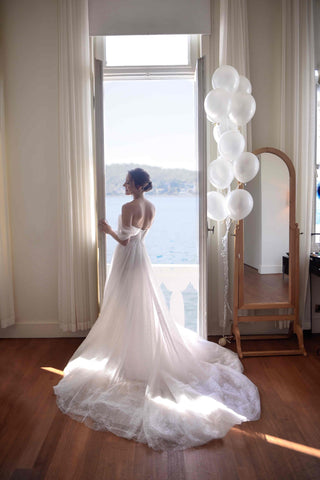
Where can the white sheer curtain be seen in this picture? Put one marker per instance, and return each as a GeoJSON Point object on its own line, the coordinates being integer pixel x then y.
{"type": "Point", "coordinates": [228, 44]}
{"type": "Point", "coordinates": [7, 314]}
{"type": "Point", "coordinates": [234, 43]}
{"type": "Point", "coordinates": [297, 135]}
{"type": "Point", "coordinates": [77, 269]}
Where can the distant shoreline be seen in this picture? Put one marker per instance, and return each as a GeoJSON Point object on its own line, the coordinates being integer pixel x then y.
{"type": "Point", "coordinates": [166, 181]}
{"type": "Point", "coordinates": [181, 194]}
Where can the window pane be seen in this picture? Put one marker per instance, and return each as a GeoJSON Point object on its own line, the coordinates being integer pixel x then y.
{"type": "Point", "coordinates": [147, 50]}
{"type": "Point", "coordinates": [151, 124]}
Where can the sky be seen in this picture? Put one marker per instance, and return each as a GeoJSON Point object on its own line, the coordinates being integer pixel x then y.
{"type": "Point", "coordinates": [150, 122]}
{"type": "Point", "coordinates": [147, 50]}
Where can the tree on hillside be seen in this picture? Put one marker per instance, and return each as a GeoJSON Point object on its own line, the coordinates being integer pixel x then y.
{"type": "Point", "coordinates": [165, 181]}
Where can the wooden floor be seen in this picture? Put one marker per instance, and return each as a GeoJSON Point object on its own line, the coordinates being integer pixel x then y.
{"type": "Point", "coordinates": [39, 442]}
{"type": "Point", "coordinates": [265, 288]}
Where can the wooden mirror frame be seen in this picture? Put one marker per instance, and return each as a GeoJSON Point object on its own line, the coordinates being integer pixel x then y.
{"type": "Point", "coordinates": [293, 300]}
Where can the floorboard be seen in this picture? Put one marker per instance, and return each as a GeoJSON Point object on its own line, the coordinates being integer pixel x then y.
{"type": "Point", "coordinates": [38, 442]}
{"type": "Point", "coordinates": [265, 288]}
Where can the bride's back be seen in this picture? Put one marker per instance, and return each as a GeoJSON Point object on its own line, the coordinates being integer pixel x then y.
{"type": "Point", "coordinates": [141, 211]}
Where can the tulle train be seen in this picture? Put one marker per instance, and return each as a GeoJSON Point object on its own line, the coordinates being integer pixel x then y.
{"type": "Point", "coordinates": [141, 376]}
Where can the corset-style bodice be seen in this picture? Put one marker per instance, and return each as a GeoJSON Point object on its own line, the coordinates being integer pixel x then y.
{"type": "Point", "coordinates": [134, 233]}
{"type": "Point", "coordinates": [125, 232]}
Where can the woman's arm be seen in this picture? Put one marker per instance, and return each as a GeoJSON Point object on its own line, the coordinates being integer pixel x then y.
{"type": "Point", "coordinates": [106, 228]}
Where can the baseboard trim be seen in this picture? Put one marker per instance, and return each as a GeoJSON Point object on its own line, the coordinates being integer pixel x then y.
{"type": "Point", "coordinates": [52, 330]}
{"type": "Point", "coordinates": [269, 269]}
{"type": "Point", "coordinates": [38, 330]}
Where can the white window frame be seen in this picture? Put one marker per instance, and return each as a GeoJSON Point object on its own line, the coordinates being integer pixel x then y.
{"type": "Point", "coordinates": [316, 240]}
{"type": "Point", "coordinates": [150, 71]}
{"type": "Point", "coordinates": [195, 71]}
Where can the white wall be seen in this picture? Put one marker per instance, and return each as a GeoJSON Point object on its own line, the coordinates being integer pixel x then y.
{"type": "Point", "coordinates": [274, 213]}
{"type": "Point", "coordinates": [31, 91]}
{"type": "Point", "coordinates": [252, 225]}
{"type": "Point", "coordinates": [264, 22]}
{"type": "Point", "coordinates": [145, 17]}
{"type": "Point", "coordinates": [266, 229]}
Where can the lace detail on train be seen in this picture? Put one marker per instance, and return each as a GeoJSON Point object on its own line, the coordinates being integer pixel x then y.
{"type": "Point", "coordinates": [141, 376]}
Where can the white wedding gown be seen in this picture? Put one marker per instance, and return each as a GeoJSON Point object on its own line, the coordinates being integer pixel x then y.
{"type": "Point", "coordinates": [141, 376]}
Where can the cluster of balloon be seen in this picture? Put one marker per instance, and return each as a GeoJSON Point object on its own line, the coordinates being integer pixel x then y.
{"type": "Point", "coordinates": [229, 106]}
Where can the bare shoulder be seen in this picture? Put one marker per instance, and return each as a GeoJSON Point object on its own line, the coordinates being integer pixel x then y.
{"type": "Point", "coordinates": [127, 213]}
{"type": "Point", "coordinates": [127, 207]}
{"type": "Point", "coordinates": [151, 206]}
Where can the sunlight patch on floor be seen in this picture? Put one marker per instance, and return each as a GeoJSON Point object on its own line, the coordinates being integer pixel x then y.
{"type": "Point", "coordinates": [281, 442]}
{"type": "Point", "coordinates": [53, 370]}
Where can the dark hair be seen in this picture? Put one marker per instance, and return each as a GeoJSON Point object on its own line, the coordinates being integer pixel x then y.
{"type": "Point", "coordinates": [141, 178]}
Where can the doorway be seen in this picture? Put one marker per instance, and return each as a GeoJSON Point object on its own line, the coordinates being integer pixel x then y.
{"type": "Point", "coordinates": [150, 121]}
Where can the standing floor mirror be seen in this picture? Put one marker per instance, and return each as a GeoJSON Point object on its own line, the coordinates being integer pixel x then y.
{"type": "Point", "coordinates": [266, 268]}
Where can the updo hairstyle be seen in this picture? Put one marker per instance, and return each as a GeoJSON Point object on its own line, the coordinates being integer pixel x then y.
{"type": "Point", "coordinates": [141, 178]}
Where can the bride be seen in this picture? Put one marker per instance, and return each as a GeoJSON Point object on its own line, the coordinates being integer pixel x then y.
{"type": "Point", "coordinates": [139, 374]}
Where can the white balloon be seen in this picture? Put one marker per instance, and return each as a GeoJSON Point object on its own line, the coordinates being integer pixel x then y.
{"type": "Point", "coordinates": [223, 126]}
{"type": "Point", "coordinates": [216, 206]}
{"type": "Point", "coordinates": [246, 167]}
{"type": "Point", "coordinates": [226, 124]}
{"type": "Point", "coordinates": [239, 204]}
{"type": "Point", "coordinates": [244, 85]}
{"type": "Point", "coordinates": [242, 108]}
{"type": "Point", "coordinates": [227, 158]}
{"type": "Point", "coordinates": [217, 132]}
{"type": "Point", "coordinates": [212, 120]}
{"type": "Point", "coordinates": [220, 173]}
{"type": "Point", "coordinates": [226, 77]}
{"type": "Point", "coordinates": [231, 143]}
{"type": "Point", "coordinates": [217, 104]}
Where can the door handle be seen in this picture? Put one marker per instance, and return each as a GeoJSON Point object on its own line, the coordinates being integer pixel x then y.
{"type": "Point", "coordinates": [210, 229]}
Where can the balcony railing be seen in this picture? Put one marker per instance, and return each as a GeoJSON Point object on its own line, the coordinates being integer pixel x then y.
{"type": "Point", "coordinates": [182, 283]}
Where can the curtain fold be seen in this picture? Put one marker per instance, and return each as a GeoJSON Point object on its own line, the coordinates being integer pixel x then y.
{"type": "Point", "coordinates": [7, 313]}
{"type": "Point", "coordinates": [297, 132]}
{"type": "Point", "coordinates": [234, 44]}
{"type": "Point", "coordinates": [77, 267]}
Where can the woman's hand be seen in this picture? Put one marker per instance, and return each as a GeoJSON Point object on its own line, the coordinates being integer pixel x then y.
{"type": "Point", "coordinates": [105, 227]}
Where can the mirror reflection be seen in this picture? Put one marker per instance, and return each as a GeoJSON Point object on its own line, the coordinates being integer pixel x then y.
{"type": "Point", "coordinates": [266, 234]}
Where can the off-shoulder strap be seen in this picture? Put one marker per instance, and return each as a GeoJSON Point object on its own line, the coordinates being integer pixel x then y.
{"type": "Point", "coordinates": [125, 232]}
